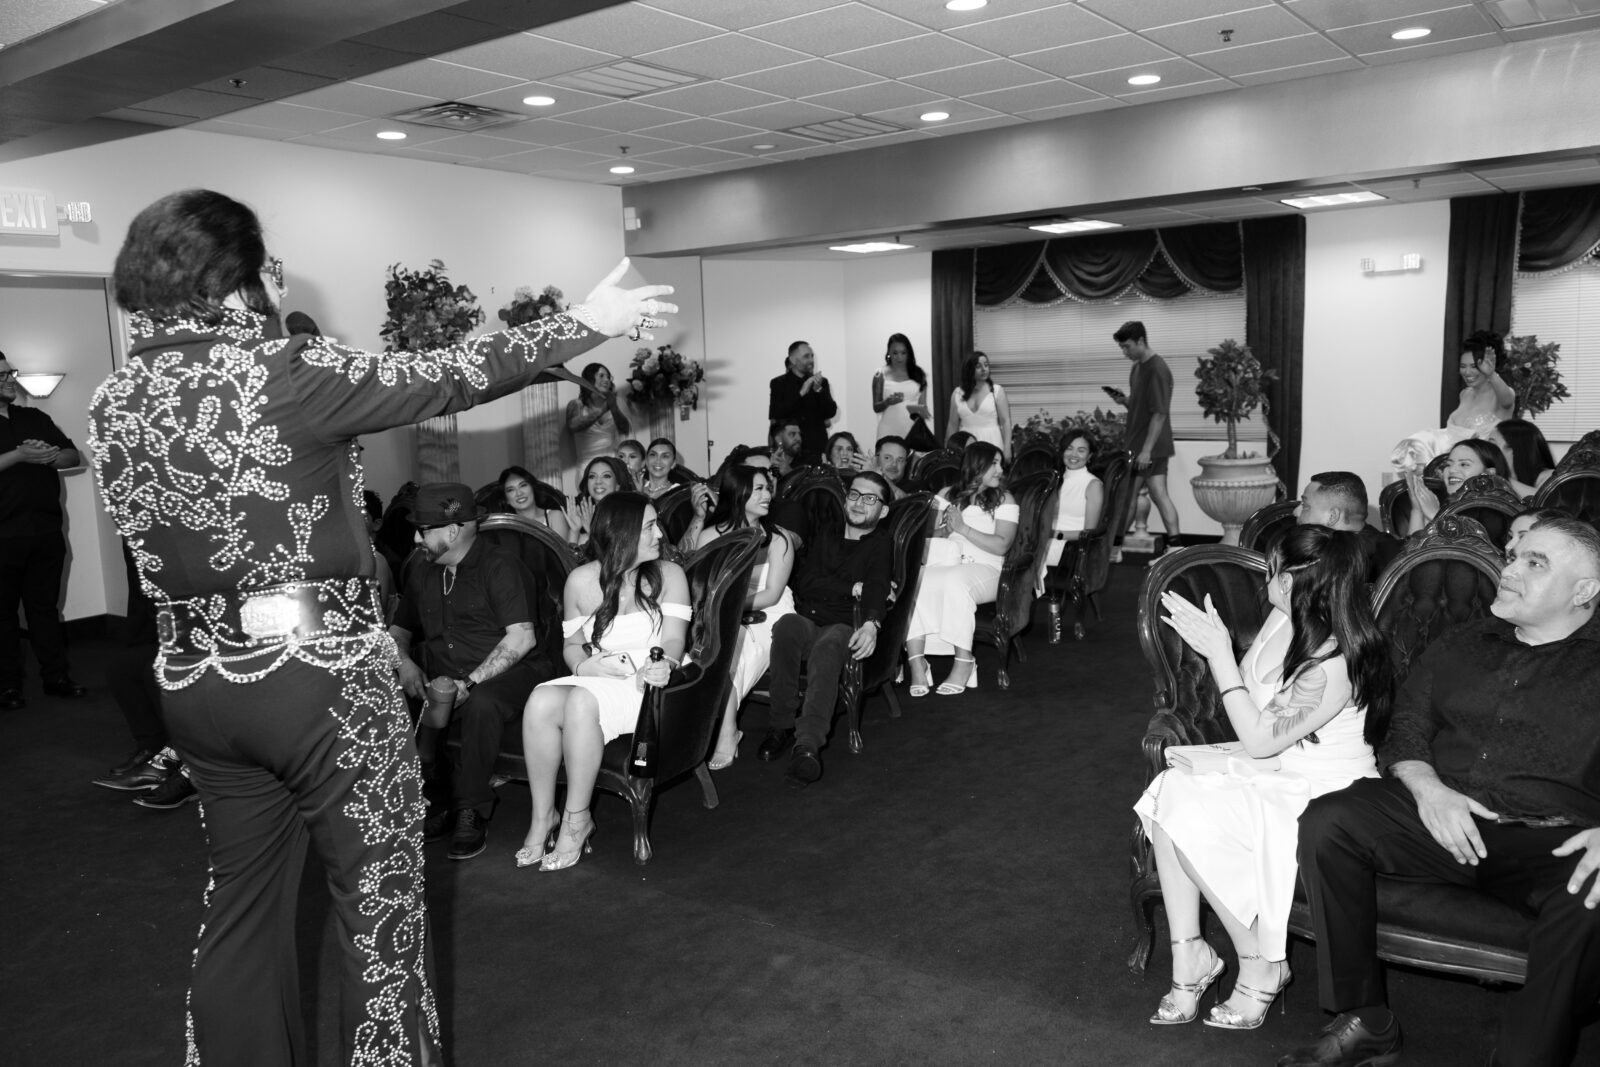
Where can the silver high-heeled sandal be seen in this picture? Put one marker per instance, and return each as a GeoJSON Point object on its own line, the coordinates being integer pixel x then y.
{"type": "Point", "coordinates": [1225, 1017]}
{"type": "Point", "coordinates": [556, 860]}
{"type": "Point", "coordinates": [527, 857]}
{"type": "Point", "coordinates": [947, 688]}
{"type": "Point", "coordinates": [919, 689]}
{"type": "Point", "coordinates": [1167, 1013]}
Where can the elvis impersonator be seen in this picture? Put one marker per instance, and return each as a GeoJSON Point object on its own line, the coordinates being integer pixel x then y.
{"type": "Point", "coordinates": [225, 454]}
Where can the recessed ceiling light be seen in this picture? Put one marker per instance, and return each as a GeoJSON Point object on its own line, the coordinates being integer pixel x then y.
{"type": "Point", "coordinates": [934, 116]}
{"type": "Point", "coordinates": [1410, 33]}
{"type": "Point", "coordinates": [965, 5]}
{"type": "Point", "coordinates": [1144, 79]}
{"type": "Point", "coordinates": [869, 246]}
{"type": "Point", "coordinates": [538, 101]}
{"type": "Point", "coordinates": [623, 169]}
{"type": "Point", "coordinates": [1332, 199]}
{"type": "Point", "coordinates": [1075, 226]}
{"type": "Point", "coordinates": [763, 147]}
{"type": "Point", "coordinates": [391, 135]}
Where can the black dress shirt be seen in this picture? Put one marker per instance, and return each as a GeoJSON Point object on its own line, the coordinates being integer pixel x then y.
{"type": "Point", "coordinates": [811, 412]}
{"type": "Point", "coordinates": [30, 493]}
{"type": "Point", "coordinates": [828, 569]}
{"type": "Point", "coordinates": [460, 627]}
{"type": "Point", "coordinates": [1514, 726]}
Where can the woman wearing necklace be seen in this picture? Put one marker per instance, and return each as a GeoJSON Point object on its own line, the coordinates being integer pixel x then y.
{"type": "Point", "coordinates": [597, 424]}
{"type": "Point", "coordinates": [522, 492]}
{"type": "Point", "coordinates": [618, 607]}
{"type": "Point", "coordinates": [659, 460]}
{"type": "Point", "coordinates": [899, 389]}
{"type": "Point", "coordinates": [979, 406]}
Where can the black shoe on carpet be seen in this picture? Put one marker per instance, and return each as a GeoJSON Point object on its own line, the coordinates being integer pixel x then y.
{"type": "Point", "coordinates": [149, 774]}
{"type": "Point", "coordinates": [175, 792]}
{"type": "Point", "coordinates": [438, 825]}
{"type": "Point", "coordinates": [804, 766]}
{"type": "Point", "coordinates": [1347, 1042]}
{"type": "Point", "coordinates": [11, 699]}
{"type": "Point", "coordinates": [64, 687]}
{"type": "Point", "coordinates": [773, 745]}
{"type": "Point", "coordinates": [140, 755]}
{"type": "Point", "coordinates": [471, 835]}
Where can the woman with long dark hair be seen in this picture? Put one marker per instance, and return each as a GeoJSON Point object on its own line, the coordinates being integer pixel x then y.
{"type": "Point", "coordinates": [595, 420]}
{"type": "Point", "coordinates": [899, 389]}
{"type": "Point", "coordinates": [745, 499]}
{"type": "Point", "coordinates": [979, 405]}
{"type": "Point", "coordinates": [603, 476]}
{"type": "Point", "coordinates": [659, 460]}
{"type": "Point", "coordinates": [1468, 459]}
{"type": "Point", "coordinates": [1526, 451]}
{"type": "Point", "coordinates": [616, 608]}
{"type": "Point", "coordinates": [977, 523]}
{"type": "Point", "coordinates": [1310, 702]}
{"type": "Point", "coordinates": [533, 500]}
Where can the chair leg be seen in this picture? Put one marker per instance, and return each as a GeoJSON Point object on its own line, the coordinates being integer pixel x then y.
{"type": "Point", "coordinates": [894, 701]}
{"type": "Point", "coordinates": [708, 788]}
{"type": "Point", "coordinates": [639, 800]}
{"type": "Point", "coordinates": [852, 721]}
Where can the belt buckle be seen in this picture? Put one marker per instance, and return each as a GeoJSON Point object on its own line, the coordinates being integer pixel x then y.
{"type": "Point", "coordinates": [166, 628]}
{"type": "Point", "coordinates": [271, 615]}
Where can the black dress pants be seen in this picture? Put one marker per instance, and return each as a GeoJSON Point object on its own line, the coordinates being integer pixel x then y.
{"type": "Point", "coordinates": [483, 719]}
{"type": "Point", "coordinates": [318, 756]}
{"type": "Point", "coordinates": [30, 575]}
{"type": "Point", "coordinates": [822, 649]}
{"type": "Point", "coordinates": [1372, 827]}
{"type": "Point", "coordinates": [131, 679]}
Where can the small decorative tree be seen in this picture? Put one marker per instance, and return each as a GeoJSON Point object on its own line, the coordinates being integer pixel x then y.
{"type": "Point", "coordinates": [1530, 369]}
{"type": "Point", "coordinates": [1232, 385]}
{"type": "Point", "coordinates": [425, 312]}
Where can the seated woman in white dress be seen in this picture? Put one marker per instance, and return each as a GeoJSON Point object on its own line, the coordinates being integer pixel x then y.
{"type": "Point", "coordinates": [1486, 401]}
{"type": "Point", "coordinates": [1314, 691]}
{"type": "Point", "coordinates": [603, 476]}
{"type": "Point", "coordinates": [979, 406]}
{"type": "Point", "coordinates": [744, 500]}
{"type": "Point", "coordinates": [898, 389]}
{"type": "Point", "coordinates": [616, 609]}
{"type": "Point", "coordinates": [962, 570]}
{"type": "Point", "coordinates": [1079, 503]}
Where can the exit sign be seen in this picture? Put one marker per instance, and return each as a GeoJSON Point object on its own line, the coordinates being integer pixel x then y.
{"type": "Point", "coordinates": [28, 211]}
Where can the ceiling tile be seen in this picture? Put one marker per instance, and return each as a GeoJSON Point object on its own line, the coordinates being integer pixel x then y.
{"type": "Point", "coordinates": [343, 59]}
{"type": "Point", "coordinates": [1551, 29]}
{"type": "Point", "coordinates": [1061, 111]}
{"type": "Point", "coordinates": [958, 110]}
{"type": "Point", "coordinates": [613, 144]}
{"type": "Point", "coordinates": [875, 97]}
{"type": "Point", "coordinates": [701, 131]}
{"type": "Point", "coordinates": [282, 116]}
{"type": "Point", "coordinates": [1033, 97]}
{"type": "Point", "coordinates": [743, 163]}
{"type": "Point", "coordinates": [527, 56]}
{"type": "Point", "coordinates": [709, 98]}
{"type": "Point", "coordinates": [1173, 90]}
{"type": "Point", "coordinates": [978, 78]}
{"type": "Point", "coordinates": [1113, 53]}
{"type": "Point", "coordinates": [914, 55]}
{"type": "Point", "coordinates": [948, 129]}
{"type": "Point", "coordinates": [1337, 14]}
{"type": "Point", "coordinates": [477, 146]}
{"type": "Point", "coordinates": [1141, 15]}
{"type": "Point", "coordinates": [1272, 55]}
{"type": "Point", "coordinates": [781, 116]}
{"type": "Point", "coordinates": [429, 34]}
{"type": "Point", "coordinates": [781, 142]}
{"type": "Point", "coordinates": [266, 83]}
{"type": "Point", "coordinates": [1036, 30]}
{"type": "Point", "coordinates": [1446, 25]}
{"type": "Point", "coordinates": [551, 158]}
{"type": "Point", "coordinates": [322, 140]}
{"type": "Point", "coordinates": [804, 79]}
{"type": "Point", "coordinates": [439, 80]}
{"type": "Point", "coordinates": [1430, 49]}
{"type": "Point", "coordinates": [738, 14]}
{"type": "Point", "coordinates": [240, 129]}
{"type": "Point", "coordinates": [567, 100]}
{"type": "Point", "coordinates": [365, 135]}
{"type": "Point", "coordinates": [626, 115]}
{"type": "Point", "coordinates": [1238, 209]}
{"type": "Point", "coordinates": [550, 132]}
{"type": "Point", "coordinates": [1545, 180]}
{"type": "Point", "coordinates": [1248, 27]}
{"type": "Point", "coordinates": [196, 103]}
{"type": "Point", "coordinates": [356, 99]}
{"type": "Point", "coordinates": [628, 30]}
{"type": "Point", "coordinates": [432, 157]}
{"type": "Point", "coordinates": [1174, 72]}
{"type": "Point", "coordinates": [1308, 70]}
{"type": "Point", "coordinates": [825, 33]}
{"type": "Point", "coordinates": [601, 171]}
{"type": "Point", "coordinates": [148, 117]}
{"type": "Point", "coordinates": [935, 16]}
{"type": "Point", "coordinates": [724, 56]}
{"type": "Point", "coordinates": [691, 157]}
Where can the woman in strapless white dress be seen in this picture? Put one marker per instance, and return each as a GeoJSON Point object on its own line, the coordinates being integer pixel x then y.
{"type": "Point", "coordinates": [616, 608]}
{"type": "Point", "coordinates": [745, 498]}
{"type": "Point", "coordinates": [979, 406]}
{"type": "Point", "coordinates": [1486, 401]}
{"type": "Point", "coordinates": [1310, 701]}
{"type": "Point", "coordinates": [898, 390]}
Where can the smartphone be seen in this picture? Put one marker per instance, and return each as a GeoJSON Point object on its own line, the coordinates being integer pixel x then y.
{"type": "Point", "coordinates": [623, 658]}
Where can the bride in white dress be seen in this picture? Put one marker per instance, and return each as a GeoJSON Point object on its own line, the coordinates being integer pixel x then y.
{"type": "Point", "coordinates": [617, 608]}
{"type": "Point", "coordinates": [979, 406]}
{"type": "Point", "coordinates": [1309, 701]}
{"type": "Point", "coordinates": [1486, 401]}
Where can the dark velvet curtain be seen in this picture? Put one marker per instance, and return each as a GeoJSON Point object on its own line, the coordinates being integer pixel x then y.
{"type": "Point", "coordinates": [952, 329]}
{"type": "Point", "coordinates": [1274, 264]}
{"type": "Point", "coordinates": [1163, 264]}
{"type": "Point", "coordinates": [1208, 255]}
{"type": "Point", "coordinates": [1483, 241]}
{"type": "Point", "coordinates": [1559, 227]}
{"type": "Point", "coordinates": [1001, 270]}
{"type": "Point", "coordinates": [1099, 266]}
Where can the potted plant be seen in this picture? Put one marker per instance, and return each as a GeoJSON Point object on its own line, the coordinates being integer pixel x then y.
{"type": "Point", "coordinates": [427, 312]}
{"type": "Point", "coordinates": [1232, 487]}
{"type": "Point", "coordinates": [1530, 369]}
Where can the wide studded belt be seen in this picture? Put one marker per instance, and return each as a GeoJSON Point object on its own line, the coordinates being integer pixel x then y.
{"type": "Point", "coordinates": [295, 612]}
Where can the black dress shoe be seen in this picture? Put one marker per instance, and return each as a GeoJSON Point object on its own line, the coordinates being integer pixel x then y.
{"type": "Point", "coordinates": [438, 825]}
{"type": "Point", "coordinates": [471, 834]}
{"type": "Point", "coordinates": [147, 775]}
{"type": "Point", "coordinates": [10, 699]}
{"type": "Point", "coordinates": [774, 744]}
{"type": "Point", "coordinates": [804, 767]}
{"type": "Point", "coordinates": [175, 792]}
{"type": "Point", "coordinates": [139, 756]}
{"type": "Point", "coordinates": [1346, 1042]}
{"type": "Point", "coordinates": [63, 687]}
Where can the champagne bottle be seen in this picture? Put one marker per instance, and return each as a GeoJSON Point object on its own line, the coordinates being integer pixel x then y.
{"type": "Point", "coordinates": [647, 733]}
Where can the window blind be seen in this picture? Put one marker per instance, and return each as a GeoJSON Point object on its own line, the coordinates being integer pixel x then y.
{"type": "Point", "coordinates": [1056, 358]}
{"type": "Point", "coordinates": [1564, 307]}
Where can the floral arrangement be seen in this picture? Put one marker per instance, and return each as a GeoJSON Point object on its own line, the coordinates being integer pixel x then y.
{"type": "Point", "coordinates": [1232, 385]}
{"type": "Point", "coordinates": [662, 376]}
{"type": "Point", "coordinates": [1530, 369]}
{"type": "Point", "coordinates": [426, 311]}
{"type": "Point", "coordinates": [1107, 429]}
{"type": "Point", "coordinates": [525, 307]}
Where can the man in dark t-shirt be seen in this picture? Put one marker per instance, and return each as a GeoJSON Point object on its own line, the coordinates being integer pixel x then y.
{"type": "Point", "coordinates": [33, 550]}
{"type": "Point", "coordinates": [1149, 421]}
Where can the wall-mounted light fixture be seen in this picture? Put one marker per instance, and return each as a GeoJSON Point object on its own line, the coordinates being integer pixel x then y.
{"type": "Point", "coordinates": [1408, 262]}
{"type": "Point", "coordinates": [37, 384]}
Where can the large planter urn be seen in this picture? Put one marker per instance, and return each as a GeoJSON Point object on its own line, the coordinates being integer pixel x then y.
{"type": "Point", "coordinates": [1231, 490]}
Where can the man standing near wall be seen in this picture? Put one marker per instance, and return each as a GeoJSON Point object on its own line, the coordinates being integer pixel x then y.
{"type": "Point", "coordinates": [1149, 421]}
{"type": "Point", "coordinates": [801, 395]}
{"type": "Point", "coordinates": [33, 550]}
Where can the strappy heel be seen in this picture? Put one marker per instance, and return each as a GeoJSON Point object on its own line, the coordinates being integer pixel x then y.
{"type": "Point", "coordinates": [722, 763]}
{"type": "Point", "coordinates": [557, 860]}
{"type": "Point", "coordinates": [527, 857]}
{"type": "Point", "coordinates": [919, 689]}
{"type": "Point", "coordinates": [1167, 1013]}
{"type": "Point", "coordinates": [1224, 1017]}
{"type": "Point", "coordinates": [947, 688]}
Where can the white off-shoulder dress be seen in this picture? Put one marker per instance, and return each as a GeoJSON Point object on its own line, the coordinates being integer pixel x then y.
{"type": "Point", "coordinates": [635, 633]}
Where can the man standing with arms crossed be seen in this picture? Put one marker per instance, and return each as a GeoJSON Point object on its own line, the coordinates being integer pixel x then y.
{"type": "Point", "coordinates": [1149, 421]}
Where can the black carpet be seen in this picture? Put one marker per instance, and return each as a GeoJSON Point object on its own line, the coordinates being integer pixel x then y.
{"type": "Point", "coordinates": [956, 894]}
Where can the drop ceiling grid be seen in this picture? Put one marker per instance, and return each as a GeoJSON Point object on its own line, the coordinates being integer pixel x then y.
{"type": "Point", "coordinates": [775, 64]}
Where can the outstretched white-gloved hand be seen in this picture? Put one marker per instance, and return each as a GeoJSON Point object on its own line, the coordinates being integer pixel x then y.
{"type": "Point", "coordinates": [634, 312]}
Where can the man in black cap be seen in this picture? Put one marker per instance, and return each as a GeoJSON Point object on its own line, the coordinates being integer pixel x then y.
{"type": "Point", "coordinates": [470, 604]}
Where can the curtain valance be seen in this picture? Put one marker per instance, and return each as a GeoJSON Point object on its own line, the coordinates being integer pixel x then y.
{"type": "Point", "coordinates": [1560, 227]}
{"type": "Point", "coordinates": [1162, 264]}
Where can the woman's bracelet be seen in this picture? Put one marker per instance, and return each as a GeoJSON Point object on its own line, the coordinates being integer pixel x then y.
{"type": "Point", "coordinates": [1233, 689]}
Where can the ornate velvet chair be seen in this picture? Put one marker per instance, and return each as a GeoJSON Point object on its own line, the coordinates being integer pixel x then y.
{"type": "Point", "coordinates": [545, 495]}
{"type": "Point", "coordinates": [675, 511]}
{"type": "Point", "coordinates": [1575, 485]}
{"type": "Point", "coordinates": [1267, 525]}
{"type": "Point", "coordinates": [1490, 501]}
{"type": "Point", "coordinates": [1394, 502]}
{"type": "Point", "coordinates": [549, 559]}
{"type": "Point", "coordinates": [1012, 612]}
{"type": "Point", "coordinates": [933, 471]}
{"type": "Point", "coordinates": [1086, 563]}
{"type": "Point", "coordinates": [1033, 457]}
{"type": "Point", "coordinates": [683, 714]}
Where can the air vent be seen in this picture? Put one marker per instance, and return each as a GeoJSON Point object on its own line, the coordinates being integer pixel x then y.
{"type": "Point", "coordinates": [463, 118]}
{"type": "Point", "coordinates": [626, 79]}
{"type": "Point", "coordinates": [835, 130]}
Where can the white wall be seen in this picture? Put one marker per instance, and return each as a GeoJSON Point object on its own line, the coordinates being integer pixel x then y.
{"type": "Point", "coordinates": [338, 219]}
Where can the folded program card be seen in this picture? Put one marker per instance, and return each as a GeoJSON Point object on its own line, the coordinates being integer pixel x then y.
{"type": "Point", "coordinates": [1223, 758]}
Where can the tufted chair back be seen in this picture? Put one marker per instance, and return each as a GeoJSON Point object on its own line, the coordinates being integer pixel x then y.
{"type": "Point", "coordinates": [1446, 576]}
{"type": "Point", "coordinates": [1037, 497]}
{"type": "Point", "coordinates": [1490, 501]}
{"type": "Point", "coordinates": [550, 560]}
{"type": "Point", "coordinates": [1575, 485]}
{"type": "Point", "coordinates": [1032, 458]}
{"type": "Point", "coordinates": [1267, 525]}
